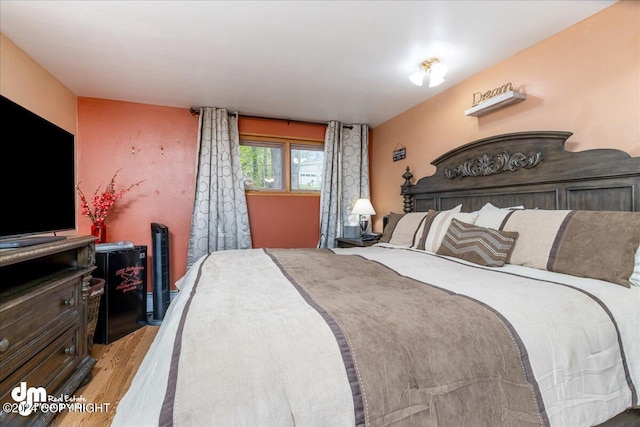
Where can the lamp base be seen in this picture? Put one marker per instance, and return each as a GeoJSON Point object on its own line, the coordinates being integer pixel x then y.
{"type": "Point", "coordinates": [364, 224]}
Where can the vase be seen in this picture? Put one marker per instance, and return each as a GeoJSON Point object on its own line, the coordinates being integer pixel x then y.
{"type": "Point", "coordinates": [99, 229]}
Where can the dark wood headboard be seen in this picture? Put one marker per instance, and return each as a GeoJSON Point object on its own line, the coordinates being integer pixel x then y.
{"type": "Point", "coordinates": [527, 168]}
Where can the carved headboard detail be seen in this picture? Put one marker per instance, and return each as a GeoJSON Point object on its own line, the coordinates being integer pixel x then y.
{"type": "Point", "coordinates": [527, 168]}
{"type": "Point", "coordinates": [489, 164]}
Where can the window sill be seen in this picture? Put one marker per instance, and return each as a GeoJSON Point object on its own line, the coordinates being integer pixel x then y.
{"type": "Point", "coordinates": [281, 193]}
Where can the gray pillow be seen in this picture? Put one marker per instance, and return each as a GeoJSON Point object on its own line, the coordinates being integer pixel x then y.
{"type": "Point", "coordinates": [391, 225]}
{"type": "Point", "coordinates": [479, 245]}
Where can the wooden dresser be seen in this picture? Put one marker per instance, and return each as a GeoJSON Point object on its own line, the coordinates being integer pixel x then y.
{"type": "Point", "coordinates": [43, 321]}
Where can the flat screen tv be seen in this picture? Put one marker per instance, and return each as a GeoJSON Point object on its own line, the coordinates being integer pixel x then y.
{"type": "Point", "coordinates": [37, 177]}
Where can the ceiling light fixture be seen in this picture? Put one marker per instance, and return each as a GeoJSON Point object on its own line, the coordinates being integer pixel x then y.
{"type": "Point", "coordinates": [436, 71]}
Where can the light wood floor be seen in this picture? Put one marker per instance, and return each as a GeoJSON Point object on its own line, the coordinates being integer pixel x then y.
{"type": "Point", "coordinates": [112, 375]}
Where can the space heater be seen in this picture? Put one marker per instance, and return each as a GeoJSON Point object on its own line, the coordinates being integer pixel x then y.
{"type": "Point", "coordinates": [160, 273]}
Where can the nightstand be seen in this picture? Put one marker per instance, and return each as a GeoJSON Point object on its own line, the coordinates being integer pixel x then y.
{"type": "Point", "coordinates": [343, 242]}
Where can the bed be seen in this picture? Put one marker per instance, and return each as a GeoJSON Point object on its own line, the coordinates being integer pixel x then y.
{"type": "Point", "coordinates": [507, 293]}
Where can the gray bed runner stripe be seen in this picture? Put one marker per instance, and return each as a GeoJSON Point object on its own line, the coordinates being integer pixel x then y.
{"type": "Point", "coordinates": [417, 373]}
{"type": "Point", "coordinates": [166, 413]}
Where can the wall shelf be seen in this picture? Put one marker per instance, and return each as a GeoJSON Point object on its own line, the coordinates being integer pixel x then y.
{"type": "Point", "coordinates": [495, 103]}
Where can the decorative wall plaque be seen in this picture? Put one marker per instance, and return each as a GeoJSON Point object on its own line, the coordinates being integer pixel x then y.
{"type": "Point", "coordinates": [479, 97]}
{"type": "Point", "coordinates": [494, 99]}
{"type": "Point", "coordinates": [399, 154]}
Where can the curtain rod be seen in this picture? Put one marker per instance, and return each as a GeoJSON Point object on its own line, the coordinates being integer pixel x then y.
{"type": "Point", "coordinates": [196, 112]}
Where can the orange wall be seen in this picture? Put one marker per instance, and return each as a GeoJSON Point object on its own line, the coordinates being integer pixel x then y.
{"type": "Point", "coordinates": [585, 79]}
{"type": "Point", "coordinates": [146, 142]}
{"type": "Point", "coordinates": [284, 221]}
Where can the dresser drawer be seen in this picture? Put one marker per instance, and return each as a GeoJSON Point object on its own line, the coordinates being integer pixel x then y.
{"type": "Point", "coordinates": [29, 323]}
{"type": "Point", "coordinates": [48, 369]}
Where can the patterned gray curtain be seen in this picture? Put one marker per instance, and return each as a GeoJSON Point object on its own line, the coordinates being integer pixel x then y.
{"type": "Point", "coordinates": [220, 219]}
{"type": "Point", "coordinates": [345, 177]}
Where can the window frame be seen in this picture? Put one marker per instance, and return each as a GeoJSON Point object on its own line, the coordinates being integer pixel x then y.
{"type": "Point", "coordinates": [287, 143]}
{"type": "Point", "coordinates": [273, 145]}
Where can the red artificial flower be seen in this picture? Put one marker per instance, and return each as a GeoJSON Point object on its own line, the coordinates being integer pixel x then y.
{"type": "Point", "coordinates": [102, 202]}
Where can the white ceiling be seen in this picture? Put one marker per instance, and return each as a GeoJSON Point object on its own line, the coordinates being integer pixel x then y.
{"type": "Point", "coordinates": [300, 60]}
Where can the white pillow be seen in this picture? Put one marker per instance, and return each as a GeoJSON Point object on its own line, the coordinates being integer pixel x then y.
{"type": "Point", "coordinates": [490, 216]}
{"type": "Point", "coordinates": [440, 224]}
{"type": "Point", "coordinates": [490, 207]}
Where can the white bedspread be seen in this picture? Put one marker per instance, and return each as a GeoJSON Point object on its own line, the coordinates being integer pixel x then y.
{"type": "Point", "coordinates": [573, 330]}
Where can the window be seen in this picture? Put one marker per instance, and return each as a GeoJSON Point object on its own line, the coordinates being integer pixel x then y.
{"type": "Point", "coordinates": [262, 166]}
{"type": "Point", "coordinates": [281, 165]}
{"type": "Point", "coordinates": [306, 167]}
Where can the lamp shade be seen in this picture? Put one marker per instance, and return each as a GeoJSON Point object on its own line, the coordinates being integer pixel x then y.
{"type": "Point", "coordinates": [417, 77]}
{"type": "Point", "coordinates": [363, 207]}
{"type": "Point", "coordinates": [436, 74]}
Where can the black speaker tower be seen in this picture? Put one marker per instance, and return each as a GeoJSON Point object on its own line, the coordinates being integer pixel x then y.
{"type": "Point", "coordinates": [160, 275]}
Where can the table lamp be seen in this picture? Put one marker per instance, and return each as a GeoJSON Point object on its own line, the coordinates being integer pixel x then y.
{"type": "Point", "coordinates": [363, 208]}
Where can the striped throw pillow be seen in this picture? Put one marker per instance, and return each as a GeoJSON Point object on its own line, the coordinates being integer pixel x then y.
{"type": "Point", "coordinates": [479, 245]}
{"type": "Point", "coordinates": [406, 229]}
{"type": "Point", "coordinates": [437, 223]}
{"type": "Point", "coordinates": [537, 230]}
{"type": "Point", "coordinates": [595, 244]}
{"type": "Point", "coordinates": [601, 245]}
